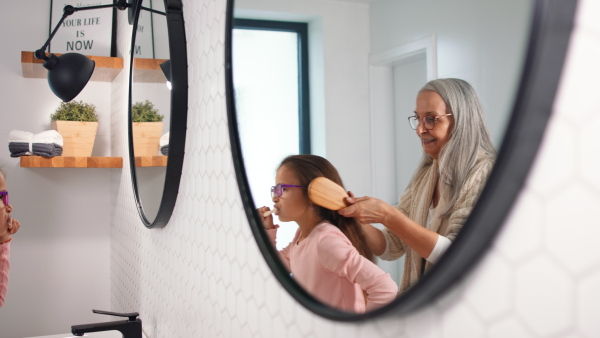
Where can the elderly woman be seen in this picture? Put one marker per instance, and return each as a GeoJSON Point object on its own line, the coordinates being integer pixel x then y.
{"type": "Point", "coordinates": [458, 157]}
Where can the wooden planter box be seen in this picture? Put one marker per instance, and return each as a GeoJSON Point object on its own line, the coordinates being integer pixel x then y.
{"type": "Point", "coordinates": [78, 137]}
{"type": "Point", "coordinates": [146, 138]}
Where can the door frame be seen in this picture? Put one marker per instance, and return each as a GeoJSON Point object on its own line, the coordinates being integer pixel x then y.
{"type": "Point", "coordinates": [381, 98]}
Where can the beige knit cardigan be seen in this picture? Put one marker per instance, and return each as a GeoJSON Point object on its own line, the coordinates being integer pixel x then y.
{"type": "Point", "coordinates": [415, 203]}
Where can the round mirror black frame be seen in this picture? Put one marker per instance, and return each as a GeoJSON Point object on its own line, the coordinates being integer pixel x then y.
{"type": "Point", "coordinates": [548, 43]}
{"type": "Point", "coordinates": [179, 106]}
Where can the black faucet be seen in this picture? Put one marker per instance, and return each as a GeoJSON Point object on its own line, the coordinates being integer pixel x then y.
{"type": "Point", "coordinates": [130, 328]}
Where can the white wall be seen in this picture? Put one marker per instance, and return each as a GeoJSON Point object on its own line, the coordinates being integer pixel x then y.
{"type": "Point", "coordinates": [60, 258]}
{"type": "Point", "coordinates": [203, 276]}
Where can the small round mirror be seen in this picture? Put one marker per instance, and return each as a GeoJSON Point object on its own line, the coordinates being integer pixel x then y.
{"type": "Point", "coordinates": [155, 85]}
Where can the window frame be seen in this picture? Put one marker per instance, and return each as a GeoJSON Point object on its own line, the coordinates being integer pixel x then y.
{"type": "Point", "coordinates": [301, 29]}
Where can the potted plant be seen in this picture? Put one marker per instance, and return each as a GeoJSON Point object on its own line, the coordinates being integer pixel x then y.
{"type": "Point", "coordinates": [147, 129]}
{"type": "Point", "coordinates": [77, 123]}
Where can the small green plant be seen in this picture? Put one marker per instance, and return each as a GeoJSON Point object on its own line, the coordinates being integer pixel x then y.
{"type": "Point", "coordinates": [145, 112]}
{"type": "Point", "coordinates": [75, 111]}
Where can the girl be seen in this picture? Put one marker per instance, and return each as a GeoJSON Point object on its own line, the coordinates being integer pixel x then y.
{"type": "Point", "coordinates": [8, 226]}
{"type": "Point", "coordinates": [328, 256]}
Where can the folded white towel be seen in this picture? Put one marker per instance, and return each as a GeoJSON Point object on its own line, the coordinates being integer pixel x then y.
{"type": "Point", "coordinates": [48, 136]}
{"type": "Point", "coordinates": [164, 140]}
{"type": "Point", "coordinates": [20, 136]}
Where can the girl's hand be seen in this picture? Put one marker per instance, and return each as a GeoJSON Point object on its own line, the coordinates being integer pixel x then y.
{"type": "Point", "coordinates": [365, 209]}
{"type": "Point", "coordinates": [267, 220]}
{"type": "Point", "coordinates": [13, 226]}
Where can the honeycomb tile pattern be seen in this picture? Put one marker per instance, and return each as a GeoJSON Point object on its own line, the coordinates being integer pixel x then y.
{"type": "Point", "coordinates": [203, 276]}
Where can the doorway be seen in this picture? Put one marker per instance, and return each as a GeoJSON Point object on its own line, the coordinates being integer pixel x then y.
{"type": "Point", "coordinates": [396, 77]}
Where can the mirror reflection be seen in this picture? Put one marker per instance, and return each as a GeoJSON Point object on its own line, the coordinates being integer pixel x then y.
{"type": "Point", "coordinates": [151, 99]}
{"type": "Point", "coordinates": [368, 62]}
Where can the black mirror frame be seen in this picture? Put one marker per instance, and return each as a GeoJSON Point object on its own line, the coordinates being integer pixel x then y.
{"type": "Point", "coordinates": [551, 28]}
{"type": "Point", "coordinates": [179, 107]}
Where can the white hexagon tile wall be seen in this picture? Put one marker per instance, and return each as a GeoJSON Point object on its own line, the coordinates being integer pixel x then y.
{"type": "Point", "coordinates": [203, 275]}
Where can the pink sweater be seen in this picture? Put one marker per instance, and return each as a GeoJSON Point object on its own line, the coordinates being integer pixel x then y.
{"type": "Point", "coordinates": [4, 266]}
{"type": "Point", "coordinates": [330, 268]}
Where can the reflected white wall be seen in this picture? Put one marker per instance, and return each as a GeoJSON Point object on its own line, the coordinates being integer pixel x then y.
{"type": "Point", "coordinates": [339, 75]}
{"type": "Point", "coordinates": [481, 42]}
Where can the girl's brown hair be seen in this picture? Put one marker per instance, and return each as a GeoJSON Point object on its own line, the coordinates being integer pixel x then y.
{"type": "Point", "coordinates": [309, 167]}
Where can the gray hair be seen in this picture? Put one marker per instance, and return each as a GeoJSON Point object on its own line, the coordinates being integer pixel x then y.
{"type": "Point", "coordinates": [469, 137]}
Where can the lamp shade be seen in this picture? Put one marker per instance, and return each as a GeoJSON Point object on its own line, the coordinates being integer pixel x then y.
{"type": "Point", "coordinates": [166, 69]}
{"type": "Point", "coordinates": [68, 74]}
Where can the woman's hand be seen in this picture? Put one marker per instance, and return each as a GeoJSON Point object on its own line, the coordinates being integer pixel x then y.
{"type": "Point", "coordinates": [365, 209]}
{"type": "Point", "coordinates": [267, 220]}
{"type": "Point", "coordinates": [372, 210]}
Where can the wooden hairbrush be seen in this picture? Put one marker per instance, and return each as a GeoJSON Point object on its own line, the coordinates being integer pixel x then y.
{"type": "Point", "coordinates": [326, 193]}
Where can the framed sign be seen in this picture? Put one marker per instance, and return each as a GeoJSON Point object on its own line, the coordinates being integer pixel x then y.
{"type": "Point", "coordinates": [88, 32]}
{"type": "Point", "coordinates": [144, 38]}
{"type": "Point", "coordinates": [151, 37]}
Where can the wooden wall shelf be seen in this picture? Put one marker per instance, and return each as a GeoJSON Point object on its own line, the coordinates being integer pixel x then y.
{"type": "Point", "coordinates": [71, 162]}
{"type": "Point", "coordinates": [148, 71]}
{"type": "Point", "coordinates": [107, 68]}
{"type": "Point", "coordinates": [151, 161]}
{"type": "Point", "coordinates": [89, 162]}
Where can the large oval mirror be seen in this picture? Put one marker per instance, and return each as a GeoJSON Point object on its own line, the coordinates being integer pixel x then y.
{"type": "Point", "coordinates": [339, 79]}
{"type": "Point", "coordinates": [158, 108]}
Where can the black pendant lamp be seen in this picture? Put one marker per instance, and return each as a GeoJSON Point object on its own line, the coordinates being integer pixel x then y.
{"type": "Point", "coordinates": [69, 73]}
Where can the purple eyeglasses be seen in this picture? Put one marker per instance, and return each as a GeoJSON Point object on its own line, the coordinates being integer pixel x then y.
{"type": "Point", "coordinates": [4, 197]}
{"type": "Point", "coordinates": [278, 189]}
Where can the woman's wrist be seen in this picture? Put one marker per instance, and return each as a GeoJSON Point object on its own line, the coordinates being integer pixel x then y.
{"type": "Point", "coordinates": [389, 212]}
